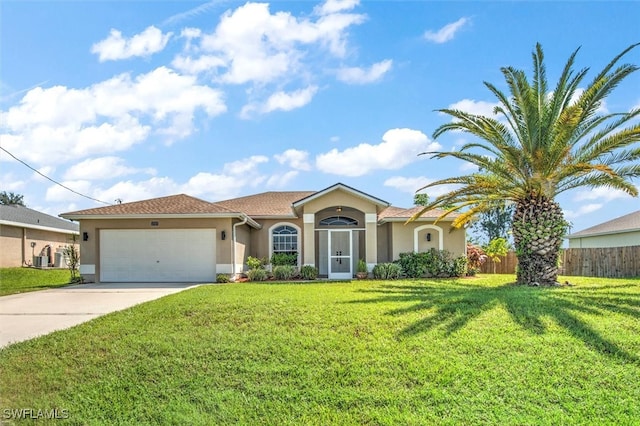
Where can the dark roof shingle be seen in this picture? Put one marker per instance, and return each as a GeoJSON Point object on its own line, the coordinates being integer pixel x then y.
{"type": "Point", "coordinates": [30, 217]}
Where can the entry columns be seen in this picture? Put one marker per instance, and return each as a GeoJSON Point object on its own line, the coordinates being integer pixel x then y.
{"type": "Point", "coordinates": [309, 239]}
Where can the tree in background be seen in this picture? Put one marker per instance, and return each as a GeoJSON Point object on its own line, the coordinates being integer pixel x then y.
{"type": "Point", "coordinates": [9, 198]}
{"type": "Point", "coordinates": [495, 223]}
{"type": "Point", "coordinates": [542, 141]}
{"type": "Point", "coordinates": [497, 248]}
{"type": "Point", "coordinates": [420, 199]}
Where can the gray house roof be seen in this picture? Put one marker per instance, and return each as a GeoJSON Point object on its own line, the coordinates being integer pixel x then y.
{"type": "Point", "coordinates": [626, 223]}
{"type": "Point", "coordinates": [20, 216]}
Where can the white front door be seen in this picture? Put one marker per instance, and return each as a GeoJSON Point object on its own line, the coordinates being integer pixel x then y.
{"type": "Point", "coordinates": [340, 249]}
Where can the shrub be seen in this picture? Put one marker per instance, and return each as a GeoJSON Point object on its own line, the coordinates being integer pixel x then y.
{"type": "Point", "coordinates": [309, 272]}
{"type": "Point", "coordinates": [387, 271]}
{"type": "Point", "coordinates": [432, 263]}
{"type": "Point", "coordinates": [284, 272]}
{"type": "Point", "coordinates": [257, 274]}
{"type": "Point", "coordinates": [279, 259]}
{"type": "Point", "coordinates": [222, 278]}
{"type": "Point", "coordinates": [255, 263]}
{"type": "Point", "coordinates": [460, 266]}
{"type": "Point", "coordinates": [362, 266]}
{"type": "Point", "coordinates": [475, 258]}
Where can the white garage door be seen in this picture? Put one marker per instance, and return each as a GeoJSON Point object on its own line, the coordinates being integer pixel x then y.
{"type": "Point", "coordinates": [158, 255]}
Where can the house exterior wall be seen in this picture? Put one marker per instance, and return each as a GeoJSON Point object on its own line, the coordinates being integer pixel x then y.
{"type": "Point", "coordinates": [16, 244]}
{"type": "Point", "coordinates": [366, 212]}
{"type": "Point", "coordinates": [623, 239]}
{"type": "Point", "coordinates": [260, 244]}
{"type": "Point", "coordinates": [243, 247]}
{"type": "Point", "coordinates": [405, 237]}
{"type": "Point", "coordinates": [90, 249]}
{"type": "Point", "coordinates": [384, 243]}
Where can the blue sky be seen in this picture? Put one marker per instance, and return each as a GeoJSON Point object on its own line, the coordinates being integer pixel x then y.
{"type": "Point", "coordinates": [134, 100]}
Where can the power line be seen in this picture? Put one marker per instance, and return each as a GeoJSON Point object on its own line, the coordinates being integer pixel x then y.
{"type": "Point", "coordinates": [54, 181]}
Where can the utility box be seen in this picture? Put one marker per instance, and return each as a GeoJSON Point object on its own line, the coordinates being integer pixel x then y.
{"type": "Point", "coordinates": [41, 261]}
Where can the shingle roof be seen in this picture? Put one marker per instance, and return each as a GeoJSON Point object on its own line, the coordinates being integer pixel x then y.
{"type": "Point", "coordinates": [626, 223]}
{"type": "Point", "coordinates": [29, 217]}
{"type": "Point", "coordinates": [267, 203]}
{"type": "Point", "coordinates": [174, 204]}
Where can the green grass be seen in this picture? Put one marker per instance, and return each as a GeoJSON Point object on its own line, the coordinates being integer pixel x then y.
{"type": "Point", "coordinates": [22, 280]}
{"type": "Point", "coordinates": [469, 351]}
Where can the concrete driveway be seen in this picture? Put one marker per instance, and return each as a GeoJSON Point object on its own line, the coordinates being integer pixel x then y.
{"type": "Point", "coordinates": [28, 315]}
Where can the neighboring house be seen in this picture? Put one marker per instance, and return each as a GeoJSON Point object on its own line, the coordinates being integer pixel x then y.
{"type": "Point", "coordinates": [181, 238]}
{"type": "Point", "coordinates": [620, 232]}
{"type": "Point", "coordinates": [25, 233]}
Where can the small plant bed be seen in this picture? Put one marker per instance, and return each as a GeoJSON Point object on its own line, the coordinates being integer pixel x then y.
{"type": "Point", "coordinates": [22, 280]}
{"type": "Point", "coordinates": [446, 351]}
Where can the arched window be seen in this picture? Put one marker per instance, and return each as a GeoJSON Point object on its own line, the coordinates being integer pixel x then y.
{"type": "Point", "coordinates": [285, 239]}
{"type": "Point", "coordinates": [338, 221]}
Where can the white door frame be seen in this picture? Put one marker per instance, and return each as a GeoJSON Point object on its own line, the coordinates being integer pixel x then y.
{"type": "Point", "coordinates": [335, 257]}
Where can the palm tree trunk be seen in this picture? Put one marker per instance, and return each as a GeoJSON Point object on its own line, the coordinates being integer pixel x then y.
{"type": "Point", "coordinates": [538, 228]}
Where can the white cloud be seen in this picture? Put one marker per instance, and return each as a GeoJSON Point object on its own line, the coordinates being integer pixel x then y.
{"type": "Point", "coordinates": [294, 158]}
{"type": "Point", "coordinates": [405, 184]}
{"type": "Point", "coordinates": [244, 166]}
{"type": "Point", "coordinates": [56, 193]}
{"type": "Point", "coordinates": [287, 101]}
{"type": "Point", "coordinates": [116, 47]}
{"type": "Point", "coordinates": [411, 185]}
{"type": "Point", "coordinates": [10, 182]}
{"type": "Point", "coordinates": [447, 32]}
{"type": "Point", "coordinates": [398, 148]}
{"type": "Point", "coordinates": [475, 107]}
{"type": "Point", "coordinates": [357, 75]}
{"type": "Point", "coordinates": [586, 209]}
{"type": "Point", "coordinates": [280, 101]}
{"type": "Point", "coordinates": [282, 180]}
{"type": "Point", "coordinates": [194, 66]}
{"type": "Point", "coordinates": [60, 124]}
{"type": "Point", "coordinates": [259, 47]}
{"type": "Point", "coordinates": [600, 194]}
{"type": "Point", "coordinates": [335, 6]}
{"type": "Point", "coordinates": [102, 168]}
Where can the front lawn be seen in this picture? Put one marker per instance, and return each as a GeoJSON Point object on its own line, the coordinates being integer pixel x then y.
{"type": "Point", "coordinates": [468, 351]}
{"type": "Point", "coordinates": [21, 280]}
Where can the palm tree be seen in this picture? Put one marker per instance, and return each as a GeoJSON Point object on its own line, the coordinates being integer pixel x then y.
{"type": "Point", "coordinates": [539, 144]}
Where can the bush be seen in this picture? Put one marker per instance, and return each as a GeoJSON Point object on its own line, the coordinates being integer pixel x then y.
{"type": "Point", "coordinates": [475, 258]}
{"type": "Point", "coordinates": [222, 278]}
{"type": "Point", "coordinates": [284, 272]}
{"type": "Point", "coordinates": [309, 272]}
{"type": "Point", "coordinates": [257, 274]}
{"type": "Point", "coordinates": [255, 263]}
{"type": "Point", "coordinates": [280, 259]}
{"type": "Point", "coordinates": [387, 271]}
{"type": "Point", "coordinates": [432, 263]}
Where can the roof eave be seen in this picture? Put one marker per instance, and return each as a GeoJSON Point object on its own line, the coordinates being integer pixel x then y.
{"type": "Point", "coordinates": [39, 227]}
{"type": "Point", "coordinates": [599, 234]}
{"type": "Point", "coordinates": [162, 216]}
{"type": "Point", "coordinates": [344, 187]}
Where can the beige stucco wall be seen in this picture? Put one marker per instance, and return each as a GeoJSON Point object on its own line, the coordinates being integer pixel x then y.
{"type": "Point", "coordinates": [623, 239]}
{"type": "Point", "coordinates": [260, 244]}
{"type": "Point", "coordinates": [243, 246]}
{"type": "Point", "coordinates": [15, 244]}
{"type": "Point", "coordinates": [404, 238]}
{"type": "Point", "coordinates": [90, 250]}
{"type": "Point", "coordinates": [349, 202]}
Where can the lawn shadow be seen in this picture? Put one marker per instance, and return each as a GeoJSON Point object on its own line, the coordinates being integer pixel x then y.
{"type": "Point", "coordinates": [454, 304]}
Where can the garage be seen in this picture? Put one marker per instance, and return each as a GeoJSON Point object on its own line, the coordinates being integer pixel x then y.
{"type": "Point", "coordinates": [158, 255]}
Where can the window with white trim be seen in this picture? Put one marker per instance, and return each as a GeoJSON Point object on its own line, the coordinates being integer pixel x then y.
{"type": "Point", "coordinates": [285, 239]}
{"type": "Point", "coordinates": [338, 221]}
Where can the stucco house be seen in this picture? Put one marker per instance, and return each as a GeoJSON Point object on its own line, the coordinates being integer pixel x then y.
{"type": "Point", "coordinates": [25, 234]}
{"type": "Point", "coordinates": [182, 238]}
{"type": "Point", "coordinates": [622, 231]}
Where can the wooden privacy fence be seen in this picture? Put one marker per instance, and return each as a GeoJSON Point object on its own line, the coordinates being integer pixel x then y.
{"type": "Point", "coordinates": [507, 265]}
{"type": "Point", "coordinates": [613, 262]}
{"type": "Point", "coordinates": [610, 262]}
